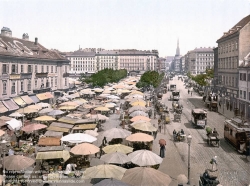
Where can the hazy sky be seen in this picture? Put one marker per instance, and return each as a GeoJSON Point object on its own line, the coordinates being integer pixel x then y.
{"type": "Point", "coordinates": [123, 24]}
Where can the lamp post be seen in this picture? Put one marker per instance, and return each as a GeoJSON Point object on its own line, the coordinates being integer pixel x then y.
{"type": "Point", "coordinates": [3, 143]}
{"type": "Point", "coordinates": [189, 139]}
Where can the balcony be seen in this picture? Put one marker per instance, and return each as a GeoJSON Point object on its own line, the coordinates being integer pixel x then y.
{"type": "Point", "coordinates": [26, 75]}
{"type": "Point", "coordinates": [65, 74]}
{"type": "Point", "coordinates": [42, 75]}
{"type": "Point", "coordinates": [15, 76]}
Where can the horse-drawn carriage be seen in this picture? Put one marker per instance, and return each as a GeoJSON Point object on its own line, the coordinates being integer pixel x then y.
{"type": "Point", "coordinates": [177, 107]}
{"type": "Point", "coordinates": [213, 106]}
{"type": "Point", "coordinates": [177, 114]}
{"type": "Point", "coordinates": [199, 117]}
{"type": "Point", "coordinates": [209, 178]}
{"type": "Point", "coordinates": [212, 137]}
{"type": "Point", "coordinates": [175, 96]}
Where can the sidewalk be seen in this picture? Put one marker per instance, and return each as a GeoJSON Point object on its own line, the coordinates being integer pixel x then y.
{"type": "Point", "coordinates": [223, 111]}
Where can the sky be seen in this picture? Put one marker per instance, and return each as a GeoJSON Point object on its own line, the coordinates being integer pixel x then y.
{"type": "Point", "coordinates": [123, 24]}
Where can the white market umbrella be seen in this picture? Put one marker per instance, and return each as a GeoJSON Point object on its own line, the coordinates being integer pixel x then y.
{"type": "Point", "coordinates": [91, 132]}
{"type": "Point", "coordinates": [78, 138]}
{"type": "Point", "coordinates": [55, 113]}
{"type": "Point", "coordinates": [14, 124]}
{"type": "Point", "coordinates": [138, 113]}
{"type": "Point", "coordinates": [16, 115]}
{"type": "Point", "coordinates": [116, 133]}
{"type": "Point", "coordinates": [46, 110]}
{"type": "Point", "coordinates": [116, 158]}
{"type": "Point", "coordinates": [145, 158]}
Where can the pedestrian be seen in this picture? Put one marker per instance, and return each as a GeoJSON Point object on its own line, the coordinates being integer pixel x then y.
{"type": "Point", "coordinates": [104, 141]}
{"type": "Point", "coordinates": [162, 151]}
{"type": "Point", "coordinates": [191, 93]}
{"type": "Point", "coordinates": [188, 91]}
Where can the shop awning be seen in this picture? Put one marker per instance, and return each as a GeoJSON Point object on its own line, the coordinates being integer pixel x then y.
{"type": "Point", "coordinates": [49, 95]}
{"type": "Point", "coordinates": [10, 104]}
{"type": "Point", "coordinates": [19, 101]}
{"type": "Point", "coordinates": [34, 99]}
{"type": "Point", "coordinates": [51, 133]}
{"type": "Point", "coordinates": [53, 155]}
{"type": "Point", "coordinates": [3, 109]}
{"type": "Point", "coordinates": [42, 96]}
{"type": "Point", "coordinates": [62, 125]}
{"type": "Point", "coordinates": [68, 120]}
{"type": "Point", "coordinates": [49, 141]}
{"type": "Point", "coordinates": [58, 129]}
{"type": "Point", "coordinates": [27, 99]}
{"type": "Point", "coordinates": [85, 127]}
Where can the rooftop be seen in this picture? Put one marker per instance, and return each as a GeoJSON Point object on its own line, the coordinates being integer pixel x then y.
{"type": "Point", "coordinates": [11, 46]}
{"type": "Point", "coordinates": [236, 28]}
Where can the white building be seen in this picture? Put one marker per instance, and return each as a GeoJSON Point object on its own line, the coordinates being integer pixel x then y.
{"type": "Point", "coordinates": [83, 61]}
{"type": "Point", "coordinates": [199, 59]}
{"type": "Point", "coordinates": [244, 87]}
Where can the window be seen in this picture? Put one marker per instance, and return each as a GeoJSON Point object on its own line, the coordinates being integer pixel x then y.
{"type": "Point", "coordinates": [13, 69]}
{"type": "Point", "coordinates": [56, 69]}
{"type": "Point", "coordinates": [21, 85]}
{"type": "Point", "coordinates": [65, 68]}
{"type": "Point", "coordinates": [29, 69]}
{"type": "Point", "coordinates": [42, 68]}
{"type": "Point", "coordinates": [243, 76]}
{"type": "Point", "coordinates": [35, 83]}
{"type": "Point", "coordinates": [248, 78]}
{"type": "Point", "coordinates": [52, 69]}
{"type": "Point", "coordinates": [13, 87]}
{"type": "Point", "coordinates": [52, 83]}
{"type": "Point", "coordinates": [29, 85]}
{"type": "Point", "coordinates": [35, 68]}
{"type": "Point", "coordinates": [4, 69]}
{"type": "Point", "coordinates": [55, 81]}
{"type": "Point", "coordinates": [240, 93]}
{"type": "Point", "coordinates": [47, 68]}
{"type": "Point", "coordinates": [4, 87]}
{"type": "Point", "coordinates": [21, 68]}
{"type": "Point", "coordinates": [42, 84]}
{"type": "Point", "coordinates": [244, 94]}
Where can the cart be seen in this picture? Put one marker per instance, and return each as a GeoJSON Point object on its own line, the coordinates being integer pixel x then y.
{"type": "Point", "coordinates": [213, 140]}
{"type": "Point", "coordinates": [167, 119]}
{"type": "Point", "coordinates": [213, 106]}
{"type": "Point", "coordinates": [177, 117]}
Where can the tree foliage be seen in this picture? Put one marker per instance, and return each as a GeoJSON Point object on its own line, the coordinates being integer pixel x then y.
{"type": "Point", "coordinates": [104, 77]}
{"type": "Point", "coordinates": [150, 78]}
{"type": "Point", "coordinates": [202, 79]}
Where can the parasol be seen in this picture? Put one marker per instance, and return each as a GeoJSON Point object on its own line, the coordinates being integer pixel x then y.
{"type": "Point", "coordinates": [162, 142]}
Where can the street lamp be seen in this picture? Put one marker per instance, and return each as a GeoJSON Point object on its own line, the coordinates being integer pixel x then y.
{"type": "Point", "coordinates": [3, 143]}
{"type": "Point", "coordinates": [189, 139]}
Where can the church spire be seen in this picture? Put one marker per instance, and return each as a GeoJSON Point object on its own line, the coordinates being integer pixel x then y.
{"type": "Point", "coordinates": [177, 49]}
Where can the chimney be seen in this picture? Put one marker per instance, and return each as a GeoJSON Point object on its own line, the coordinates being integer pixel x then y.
{"type": "Point", "coordinates": [25, 36]}
{"type": "Point", "coordinates": [36, 41]}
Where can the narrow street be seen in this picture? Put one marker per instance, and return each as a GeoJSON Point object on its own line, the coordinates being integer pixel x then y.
{"type": "Point", "coordinates": [233, 168]}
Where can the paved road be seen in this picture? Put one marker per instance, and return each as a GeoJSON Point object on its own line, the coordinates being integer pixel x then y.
{"type": "Point", "coordinates": [234, 169]}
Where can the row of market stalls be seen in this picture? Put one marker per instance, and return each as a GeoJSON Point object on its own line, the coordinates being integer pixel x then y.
{"type": "Point", "coordinates": [64, 136]}
{"type": "Point", "coordinates": [15, 103]}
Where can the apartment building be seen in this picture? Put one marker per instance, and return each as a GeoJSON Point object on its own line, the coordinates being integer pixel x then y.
{"type": "Point", "coordinates": [27, 67]}
{"type": "Point", "coordinates": [233, 47]}
{"type": "Point", "coordinates": [199, 59]}
{"type": "Point", "coordinates": [91, 61]}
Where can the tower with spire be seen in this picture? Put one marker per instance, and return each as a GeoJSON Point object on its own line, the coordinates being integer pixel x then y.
{"type": "Point", "coordinates": [177, 49]}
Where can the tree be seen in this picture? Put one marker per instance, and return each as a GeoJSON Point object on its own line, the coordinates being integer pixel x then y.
{"type": "Point", "coordinates": [150, 78]}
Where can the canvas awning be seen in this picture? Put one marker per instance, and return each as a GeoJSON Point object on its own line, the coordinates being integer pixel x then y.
{"type": "Point", "coordinates": [27, 99]}
{"type": "Point", "coordinates": [58, 129]}
{"type": "Point", "coordinates": [85, 127]}
{"type": "Point", "coordinates": [49, 95]}
{"type": "Point", "coordinates": [53, 155]}
{"type": "Point", "coordinates": [51, 148]}
{"type": "Point", "coordinates": [42, 96]}
{"type": "Point", "coordinates": [68, 120]}
{"type": "Point", "coordinates": [19, 101]}
{"type": "Point", "coordinates": [10, 104]}
{"type": "Point", "coordinates": [62, 125]}
{"type": "Point", "coordinates": [34, 99]}
{"type": "Point", "coordinates": [51, 133]}
{"type": "Point", "coordinates": [3, 109]}
{"type": "Point", "coordinates": [49, 141]}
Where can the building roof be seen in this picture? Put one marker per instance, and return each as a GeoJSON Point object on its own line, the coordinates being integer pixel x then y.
{"type": "Point", "coordinates": [236, 28]}
{"type": "Point", "coordinates": [203, 49]}
{"type": "Point", "coordinates": [11, 46]}
{"type": "Point", "coordinates": [81, 53]}
{"type": "Point", "coordinates": [5, 29]}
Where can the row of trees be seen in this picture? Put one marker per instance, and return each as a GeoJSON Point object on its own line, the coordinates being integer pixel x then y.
{"type": "Point", "coordinates": [150, 78]}
{"type": "Point", "coordinates": [104, 77]}
{"type": "Point", "coordinates": [202, 79]}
